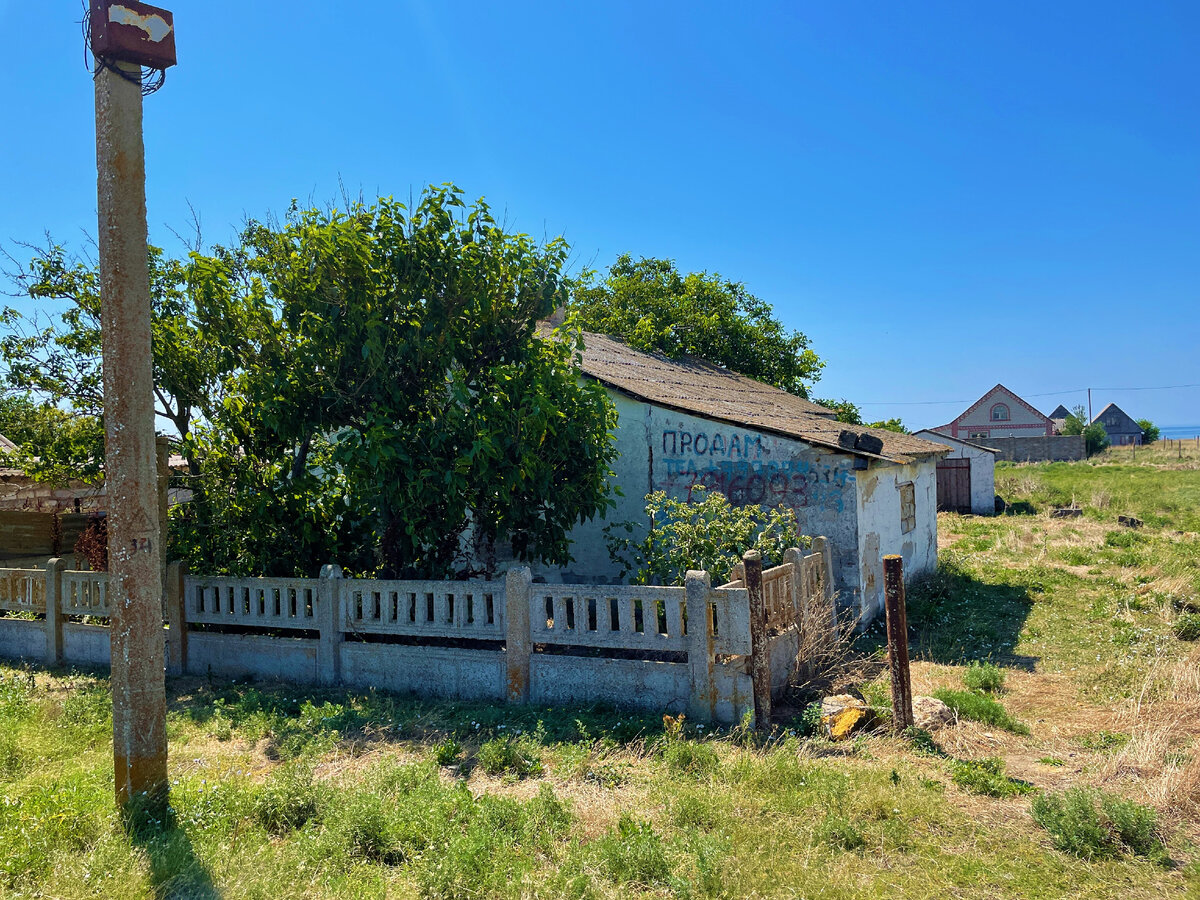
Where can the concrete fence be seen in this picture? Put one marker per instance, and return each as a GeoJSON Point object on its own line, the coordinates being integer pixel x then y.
{"type": "Point", "coordinates": [509, 640]}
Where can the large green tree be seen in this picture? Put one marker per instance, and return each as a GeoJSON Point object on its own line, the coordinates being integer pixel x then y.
{"type": "Point", "coordinates": [365, 387]}
{"type": "Point", "coordinates": [651, 305]}
{"type": "Point", "coordinates": [53, 355]}
{"type": "Point", "coordinates": [394, 383]}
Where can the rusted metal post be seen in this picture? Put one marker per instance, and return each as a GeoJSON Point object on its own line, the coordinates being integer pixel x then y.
{"type": "Point", "coordinates": [54, 615]}
{"type": "Point", "coordinates": [702, 703]}
{"type": "Point", "coordinates": [518, 641]}
{"type": "Point", "coordinates": [760, 663]}
{"type": "Point", "coordinates": [176, 620]}
{"type": "Point", "coordinates": [897, 635]}
{"type": "Point", "coordinates": [135, 569]}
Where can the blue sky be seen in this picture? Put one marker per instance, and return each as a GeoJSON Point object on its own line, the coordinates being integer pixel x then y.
{"type": "Point", "coordinates": [942, 196]}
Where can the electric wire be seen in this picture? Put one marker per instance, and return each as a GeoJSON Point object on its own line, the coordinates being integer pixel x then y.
{"type": "Point", "coordinates": [148, 79]}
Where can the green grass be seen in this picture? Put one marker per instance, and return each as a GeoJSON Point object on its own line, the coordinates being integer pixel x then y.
{"type": "Point", "coordinates": [983, 676]}
{"type": "Point", "coordinates": [980, 708]}
{"type": "Point", "coordinates": [986, 776]}
{"type": "Point", "coordinates": [279, 790]}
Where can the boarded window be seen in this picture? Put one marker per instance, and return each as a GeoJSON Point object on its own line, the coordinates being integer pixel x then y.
{"type": "Point", "coordinates": [908, 507]}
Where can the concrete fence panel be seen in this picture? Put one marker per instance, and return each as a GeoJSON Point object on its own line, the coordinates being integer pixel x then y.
{"type": "Point", "coordinates": [671, 648]}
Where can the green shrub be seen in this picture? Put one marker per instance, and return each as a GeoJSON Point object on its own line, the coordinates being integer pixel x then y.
{"type": "Point", "coordinates": [705, 531]}
{"type": "Point", "coordinates": [809, 722]}
{"type": "Point", "coordinates": [1187, 627]}
{"type": "Point", "coordinates": [519, 757]}
{"type": "Point", "coordinates": [1092, 825]}
{"type": "Point", "coordinates": [986, 776]}
{"type": "Point", "coordinates": [980, 708]}
{"type": "Point", "coordinates": [634, 854]}
{"type": "Point", "coordinates": [446, 752]}
{"type": "Point", "coordinates": [985, 677]}
{"type": "Point", "coordinates": [288, 800]}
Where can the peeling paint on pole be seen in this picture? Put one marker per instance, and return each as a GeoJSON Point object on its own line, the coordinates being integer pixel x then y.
{"type": "Point", "coordinates": [135, 576]}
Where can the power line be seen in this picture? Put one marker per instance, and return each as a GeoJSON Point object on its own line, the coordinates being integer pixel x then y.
{"type": "Point", "coordinates": [1164, 387]}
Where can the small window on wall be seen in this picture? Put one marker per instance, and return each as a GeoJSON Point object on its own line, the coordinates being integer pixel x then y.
{"type": "Point", "coordinates": [977, 435]}
{"type": "Point", "coordinates": [999, 413]}
{"type": "Point", "coordinates": [908, 507]}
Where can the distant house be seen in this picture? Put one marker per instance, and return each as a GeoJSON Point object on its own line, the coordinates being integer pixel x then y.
{"type": "Point", "coordinates": [1059, 418]}
{"type": "Point", "coordinates": [1121, 428]}
{"type": "Point", "coordinates": [687, 423]}
{"type": "Point", "coordinates": [998, 414]}
{"type": "Point", "coordinates": [966, 476]}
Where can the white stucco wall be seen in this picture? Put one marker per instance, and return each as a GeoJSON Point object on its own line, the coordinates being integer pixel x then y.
{"type": "Point", "coordinates": [879, 526]}
{"type": "Point", "coordinates": [983, 471]}
{"type": "Point", "coordinates": [662, 450]}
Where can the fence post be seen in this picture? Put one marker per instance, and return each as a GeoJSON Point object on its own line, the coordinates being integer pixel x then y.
{"type": "Point", "coordinates": [794, 557]}
{"type": "Point", "coordinates": [820, 546]}
{"type": "Point", "coordinates": [54, 614]}
{"type": "Point", "coordinates": [329, 621]}
{"type": "Point", "coordinates": [897, 633]}
{"type": "Point", "coordinates": [176, 619]}
{"type": "Point", "coordinates": [702, 703]}
{"type": "Point", "coordinates": [760, 662]}
{"type": "Point", "coordinates": [518, 642]}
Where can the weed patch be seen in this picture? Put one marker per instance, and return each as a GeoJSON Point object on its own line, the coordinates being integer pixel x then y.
{"type": "Point", "coordinates": [983, 677]}
{"type": "Point", "coordinates": [519, 757]}
{"type": "Point", "coordinates": [986, 776]}
{"type": "Point", "coordinates": [980, 708]}
{"type": "Point", "coordinates": [1092, 825]}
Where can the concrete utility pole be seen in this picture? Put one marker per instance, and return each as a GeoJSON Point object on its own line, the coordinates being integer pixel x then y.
{"type": "Point", "coordinates": [123, 37]}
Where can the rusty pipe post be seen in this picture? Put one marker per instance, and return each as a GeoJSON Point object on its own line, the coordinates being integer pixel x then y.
{"type": "Point", "coordinates": [897, 638]}
{"type": "Point", "coordinates": [135, 575]}
{"type": "Point", "coordinates": [760, 663]}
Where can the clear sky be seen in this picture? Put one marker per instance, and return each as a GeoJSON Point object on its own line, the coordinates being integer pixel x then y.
{"type": "Point", "coordinates": [942, 196]}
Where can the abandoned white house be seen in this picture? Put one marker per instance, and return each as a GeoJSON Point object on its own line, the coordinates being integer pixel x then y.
{"type": "Point", "coordinates": [966, 476]}
{"type": "Point", "coordinates": [684, 423]}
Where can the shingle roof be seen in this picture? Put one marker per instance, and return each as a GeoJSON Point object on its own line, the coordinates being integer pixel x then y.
{"type": "Point", "coordinates": [695, 386]}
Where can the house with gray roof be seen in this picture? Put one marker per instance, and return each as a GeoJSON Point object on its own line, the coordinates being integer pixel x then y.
{"type": "Point", "coordinates": [688, 423]}
{"type": "Point", "coordinates": [1121, 428]}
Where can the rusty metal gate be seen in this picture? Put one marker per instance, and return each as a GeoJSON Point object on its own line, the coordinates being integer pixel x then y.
{"type": "Point", "coordinates": [954, 485]}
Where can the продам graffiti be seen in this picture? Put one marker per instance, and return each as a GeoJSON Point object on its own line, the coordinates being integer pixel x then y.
{"type": "Point", "coordinates": [734, 464]}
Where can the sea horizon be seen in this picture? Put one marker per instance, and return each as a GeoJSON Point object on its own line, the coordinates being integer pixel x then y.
{"type": "Point", "coordinates": [1179, 432]}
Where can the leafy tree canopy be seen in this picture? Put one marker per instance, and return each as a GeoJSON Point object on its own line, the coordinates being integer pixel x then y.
{"type": "Point", "coordinates": [850, 414]}
{"type": "Point", "coordinates": [54, 445]}
{"type": "Point", "coordinates": [1150, 432]}
{"type": "Point", "coordinates": [652, 306]}
{"type": "Point", "coordinates": [1095, 438]}
{"type": "Point", "coordinates": [392, 382]}
{"type": "Point", "coordinates": [364, 387]}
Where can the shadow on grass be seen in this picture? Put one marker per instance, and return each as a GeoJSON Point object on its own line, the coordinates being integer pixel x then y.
{"type": "Point", "coordinates": [953, 617]}
{"type": "Point", "coordinates": [176, 872]}
{"type": "Point", "coordinates": [309, 721]}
